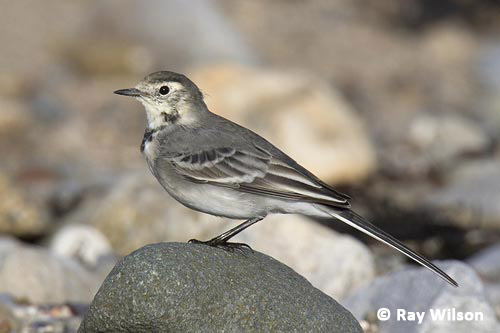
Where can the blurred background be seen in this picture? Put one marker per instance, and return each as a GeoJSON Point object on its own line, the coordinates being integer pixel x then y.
{"type": "Point", "coordinates": [395, 102]}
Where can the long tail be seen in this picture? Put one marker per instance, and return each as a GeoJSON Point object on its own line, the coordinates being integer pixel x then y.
{"type": "Point", "coordinates": [358, 222]}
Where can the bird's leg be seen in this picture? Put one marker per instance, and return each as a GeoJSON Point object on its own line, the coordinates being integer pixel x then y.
{"type": "Point", "coordinates": [221, 241]}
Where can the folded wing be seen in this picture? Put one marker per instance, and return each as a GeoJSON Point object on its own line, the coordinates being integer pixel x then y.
{"type": "Point", "coordinates": [256, 171]}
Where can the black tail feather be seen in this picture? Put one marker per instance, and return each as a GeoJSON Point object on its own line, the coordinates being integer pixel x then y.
{"type": "Point", "coordinates": [351, 218]}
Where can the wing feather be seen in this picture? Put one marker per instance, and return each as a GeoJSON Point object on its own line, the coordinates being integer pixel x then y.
{"type": "Point", "coordinates": [256, 171]}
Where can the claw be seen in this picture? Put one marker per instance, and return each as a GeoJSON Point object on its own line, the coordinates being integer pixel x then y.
{"type": "Point", "coordinates": [226, 246]}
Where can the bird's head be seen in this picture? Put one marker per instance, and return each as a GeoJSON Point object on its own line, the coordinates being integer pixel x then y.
{"type": "Point", "coordinates": [169, 98]}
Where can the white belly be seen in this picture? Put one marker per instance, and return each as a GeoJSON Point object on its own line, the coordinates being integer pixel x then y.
{"type": "Point", "coordinates": [217, 201]}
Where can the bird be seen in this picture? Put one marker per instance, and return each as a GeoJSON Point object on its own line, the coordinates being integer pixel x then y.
{"type": "Point", "coordinates": [213, 165]}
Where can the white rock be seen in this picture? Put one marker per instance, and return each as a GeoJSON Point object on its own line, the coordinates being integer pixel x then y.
{"type": "Point", "coordinates": [81, 242]}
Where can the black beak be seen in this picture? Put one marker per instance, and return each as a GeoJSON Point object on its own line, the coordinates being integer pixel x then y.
{"type": "Point", "coordinates": [129, 92]}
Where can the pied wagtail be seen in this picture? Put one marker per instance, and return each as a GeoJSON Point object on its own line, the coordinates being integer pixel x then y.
{"type": "Point", "coordinates": [212, 165]}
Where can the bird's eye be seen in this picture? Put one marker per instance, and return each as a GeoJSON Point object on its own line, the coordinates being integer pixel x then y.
{"type": "Point", "coordinates": [164, 90]}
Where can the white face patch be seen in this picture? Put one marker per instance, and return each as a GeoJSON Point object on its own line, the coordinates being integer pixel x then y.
{"type": "Point", "coordinates": [154, 112]}
{"type": "Point", "coordinates": [161, 110]}
{"type": "Point", "coordinates": [175, 86]}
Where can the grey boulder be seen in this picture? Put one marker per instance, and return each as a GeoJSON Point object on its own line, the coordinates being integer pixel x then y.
{"type": "Point", "coordinates": [178, 287]}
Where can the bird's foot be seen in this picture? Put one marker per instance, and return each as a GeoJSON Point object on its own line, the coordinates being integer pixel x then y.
{"type": "Point", "coordinates": [222, 244]}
